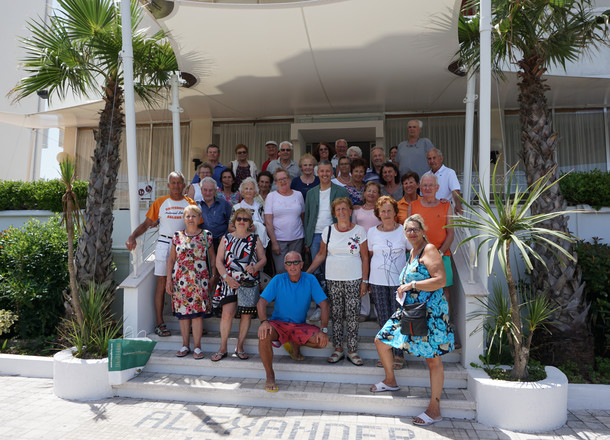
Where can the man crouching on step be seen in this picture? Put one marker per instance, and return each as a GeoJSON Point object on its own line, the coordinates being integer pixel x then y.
{"type": "Point", "coordinates": [292, 292]}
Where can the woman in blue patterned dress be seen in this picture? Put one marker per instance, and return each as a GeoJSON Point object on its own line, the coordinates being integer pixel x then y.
{"type": "Point", "coordinates": [422, 280]}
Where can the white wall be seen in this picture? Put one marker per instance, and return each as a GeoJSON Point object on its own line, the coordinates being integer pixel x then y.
{"type": "Point", "coordinates": [17, 146]}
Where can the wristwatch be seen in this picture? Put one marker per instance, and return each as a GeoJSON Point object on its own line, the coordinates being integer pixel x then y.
{"type": "Point", "coordinates": [324, 330]}
{"type": "Point", "coordinates": [224, 276]}
{"type": "Point", "coordinates": [413, 284]}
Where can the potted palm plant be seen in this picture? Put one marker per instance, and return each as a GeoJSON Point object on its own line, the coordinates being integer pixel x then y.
{"type": "Point", "coordinates": [81, 370]}
{"type": "Point", "coordinates": [505, 226]}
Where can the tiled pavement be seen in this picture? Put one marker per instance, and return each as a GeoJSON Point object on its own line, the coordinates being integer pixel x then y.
{"type": "Point", "coordinates": [30, 410]}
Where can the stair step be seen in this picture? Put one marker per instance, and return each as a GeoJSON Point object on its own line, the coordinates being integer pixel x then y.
{"type": "Point", "coordinates": [211, 342]}
{"type": "Point", "coordinates": [293, 394]}
{"type": "Point", "coordinates": [312, 368]}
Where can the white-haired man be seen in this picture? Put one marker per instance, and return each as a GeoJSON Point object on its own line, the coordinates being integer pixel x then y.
{"type": "Point", "coordinates": [340, 151]}
{"type": "Point", "coordinates": [411, 154]}
{"type": "Point", "coordinates": [285, 162]}
{"type": "Point", "coordinates": [448, 183]}
{"type": "Point", "coordinates": [167, 210]}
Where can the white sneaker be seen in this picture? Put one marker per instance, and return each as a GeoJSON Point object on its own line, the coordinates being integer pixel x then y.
{"type": "Point", "coordinates": [316, 315]}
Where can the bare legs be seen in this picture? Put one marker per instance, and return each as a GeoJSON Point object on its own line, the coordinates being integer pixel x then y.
{"type": "Point", "coordinates": [185, 331]}
{"type": "Point", "coordinates": [159, 298]}
{"type": "Point", "coordinates": [228, 312]}
{"type": "Point", "coordinates": [437, 377]}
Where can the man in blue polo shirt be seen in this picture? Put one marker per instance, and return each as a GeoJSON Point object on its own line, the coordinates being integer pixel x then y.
{"type": "Point", "coordinates": [292, 292]}
{"type": "Point", "coordinates": [212, 153]}
{"type": "Point", "coordinates": [216, 212]}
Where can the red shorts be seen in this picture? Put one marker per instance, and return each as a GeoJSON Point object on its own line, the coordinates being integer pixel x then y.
{"type": "Point", "coordinates": [289, 331]}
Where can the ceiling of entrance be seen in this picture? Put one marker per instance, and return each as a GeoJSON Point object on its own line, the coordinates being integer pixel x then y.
{"type": "Point", "coordinates": [316, 57]}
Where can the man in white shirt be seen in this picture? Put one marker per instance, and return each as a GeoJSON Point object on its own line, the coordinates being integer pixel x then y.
{"type": "Point", "coordinates": [448, 184]}
{"type": "Point", "coordinates": [340, 151]}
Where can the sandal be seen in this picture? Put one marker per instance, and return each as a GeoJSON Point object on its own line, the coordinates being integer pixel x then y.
{"type": "Point", "coordinates": [336, 356]}
{"type": "Point", "coordinates": [290, 351]}
{"type": "Point", "coordinates": [379, 364]}
{"type": "Point", "coordinates": [161, 330]}
{"type": "Point", "coordinates": [218, 356]}
{"type": "Point", "coordinates": [355, 359]}
{"type": "Point", "coordinates": [183, 352]}
{"type": "Point", "coordinates": [271, 387]}
{"type": "Point", "coordinates": [241, 354]}
{"type": "Point", "coordinates": [197, 353]}
{"type": "Point", "coordinates": [398, 364]}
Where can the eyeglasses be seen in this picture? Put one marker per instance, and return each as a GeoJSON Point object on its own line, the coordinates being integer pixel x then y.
{"type": "Point", "coordinates": [286, 149]}
{"type": "Point", "coordinates": [290, 263]}
{"type": "Point", "coordinates": [412, 230]}
{"type": "Point", "coordinates": [242, 219]}
{"type": "Point", "coordinates": [242, 152]}
{"type": "Point", "coordinates": [281, 179]}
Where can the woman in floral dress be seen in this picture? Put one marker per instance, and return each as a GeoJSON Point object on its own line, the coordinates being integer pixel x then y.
{"type": "Point", "coordinates": [422, 280]}
{"type": "Point", "coordinates": [190, 262]}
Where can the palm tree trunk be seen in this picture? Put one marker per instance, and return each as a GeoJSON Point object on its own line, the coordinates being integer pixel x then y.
{"type": "Point", "coordinates": [75, 298]}
{"type": "Point", "coordinates": [94, 255]}
{"type": "Point", "coordinates": [560, 280]}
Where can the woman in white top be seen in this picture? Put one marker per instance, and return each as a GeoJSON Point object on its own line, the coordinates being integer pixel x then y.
{"type": "Point", "coordinates": [387, 248]}
{"type": "Point", "coordinates": [249, 190]}
{"type": "Point", "coordinates": [343, 172]}
{"type": "Point", "coordinates": [194, 189]}
{"type": "Point", "coordinates": [345, 248]}
{"type": "Point", "coordinates": [284, 210]}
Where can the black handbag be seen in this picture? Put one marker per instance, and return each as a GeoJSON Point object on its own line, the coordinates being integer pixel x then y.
{"type": "Point", "coordinates": [413, 320]}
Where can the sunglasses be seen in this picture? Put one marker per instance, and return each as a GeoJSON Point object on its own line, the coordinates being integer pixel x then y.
{"type": "Point", "coordinates": [290, 263]}
{"type": "Point", "coordinates": [286, 149]}
{"type": "Point", "coordinates": [242, 219]}
{"type": "Point", "coordinates": [412, 230]}
{"type": "Point", "coordinates": [242, 152]}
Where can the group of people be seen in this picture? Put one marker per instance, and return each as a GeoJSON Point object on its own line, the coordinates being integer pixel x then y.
{"type": "Point", "coordinates": [332, 231]}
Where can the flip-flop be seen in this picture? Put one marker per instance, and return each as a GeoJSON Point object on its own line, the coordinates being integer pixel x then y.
{"type": "Point", "coordinates": [427, 420]}
{"type": "Point", "coordinates": [288, 347]}
{"type": "Point", "coordinates": [197, 354]}
{"type": "Point", "coordinates": [218, 356]}
{"type": "Point", "coordinates": [271, 387]}
{"type": "Point", "coordinates": [241, 354]}
{"type": "Point", "coordinates": [183, 352]}
{"type": "Point", "coordinates": [380, 387]}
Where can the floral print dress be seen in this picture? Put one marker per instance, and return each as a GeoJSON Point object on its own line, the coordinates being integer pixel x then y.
{"type": "Point", "coordinates": [440, 339]}
{"type": "Point", "coordinates": [191, 275]}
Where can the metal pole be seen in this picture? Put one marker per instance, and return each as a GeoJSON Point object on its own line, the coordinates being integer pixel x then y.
{"type": "Point", "coordinates": [484, 112]}
{"type": "Point", "coordinates": [469, 136]}
{"type": "Point", "coordinates": [130, 121]}
{"type": "Point", "coordinates": [176, 110]}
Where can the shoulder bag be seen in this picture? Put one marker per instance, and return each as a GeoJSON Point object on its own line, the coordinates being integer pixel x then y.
{"type": "Point", "coordinates": [413, 317]}
{"type": "Point", "coordinates": [248, 291]}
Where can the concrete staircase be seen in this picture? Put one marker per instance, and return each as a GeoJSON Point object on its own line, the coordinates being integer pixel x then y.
{"type": "Point", "coordinates": [310, 384]}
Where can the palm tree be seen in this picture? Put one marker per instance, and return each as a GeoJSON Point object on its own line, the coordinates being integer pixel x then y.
{"type": "Point", "coordinates": [72, 218]}
{"type": "Point", "coordinates": [78, 51]}
{"type": "Point", "coordinates": [510, 224]}
{"type": "Point", "coordinates": [533, 35]}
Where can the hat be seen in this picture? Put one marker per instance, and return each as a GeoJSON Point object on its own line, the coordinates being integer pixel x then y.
{"type": "Point", "coordinates": [271, 142]}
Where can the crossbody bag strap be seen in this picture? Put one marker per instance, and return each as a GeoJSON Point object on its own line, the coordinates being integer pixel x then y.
{"type": "Point", "coordinates": [328, 238]}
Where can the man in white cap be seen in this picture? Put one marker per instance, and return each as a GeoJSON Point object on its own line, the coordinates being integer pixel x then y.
{"type": "Point", "coordinates": [271, 150]}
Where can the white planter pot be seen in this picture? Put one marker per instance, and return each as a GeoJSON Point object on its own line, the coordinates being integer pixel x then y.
{"type": "Point", "coordinates": [521, 406]}
{"type": "Point", "coordinates": [80, 379]}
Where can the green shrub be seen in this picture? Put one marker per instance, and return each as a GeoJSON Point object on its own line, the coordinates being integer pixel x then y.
{"type": "Point", "coordinates": [41, 194]}
{"type": "Point", "coordinates": [594, 260]}
{"type": "Point", "coordinates": [590, 188]}
{"type": "Point", "coordinates": [33, 275]}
